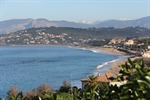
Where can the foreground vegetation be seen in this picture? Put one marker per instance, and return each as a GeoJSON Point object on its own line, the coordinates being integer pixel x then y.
{"type": "Point", "coordinates": [137, 75]}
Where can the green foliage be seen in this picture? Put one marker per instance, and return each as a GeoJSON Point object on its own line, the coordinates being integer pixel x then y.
{"type": "Point", "coordinates": [137, 86]}
{"type": "Point", "coordinates": [64, 96]}
{"type": "Point", "coordinates": [92, 83]}
{"type": "Point", "coordinates": [15, 94]}
{"type": "Point", "coordinates": [66, 87]}
{"type": "Point", "coordinates": [19, 96]}
{"type": "Point", "coordinates": [93, 89]}
{"type": "Point", "coordinates": [103, 88]}
{"type": "Point", "coordinates": [43, 92]}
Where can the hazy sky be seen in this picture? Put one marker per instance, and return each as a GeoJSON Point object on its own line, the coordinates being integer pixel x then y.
{"type": "Point", "coordinates": [74, 10]}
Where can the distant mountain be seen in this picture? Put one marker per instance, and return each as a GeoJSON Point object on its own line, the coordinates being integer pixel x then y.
{"type": "Point", "coordinates": [21, 24]}
{"type": "Point", "coordinates": [142, 22]}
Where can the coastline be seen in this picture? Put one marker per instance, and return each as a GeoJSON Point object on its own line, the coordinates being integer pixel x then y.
{"type": "Point", "coordinates": [113, 65]}
{"type": "Point", "coordinates": [102, 49]}
{"type": "Point", "coordinates": [109, 50]}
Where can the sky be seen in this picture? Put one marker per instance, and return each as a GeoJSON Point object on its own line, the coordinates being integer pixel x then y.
{"type": "Point", "coordinates": [74, 10]}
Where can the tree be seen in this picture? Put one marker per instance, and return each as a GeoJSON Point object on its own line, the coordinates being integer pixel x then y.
{"type": "Point", "coordinates": [92, 83]}
{"type": "Point", "coordinates": [137, 86]}
{"type": "Point", "coordinates": [66, 87]}
{"type": "Point", "coordinates": [15, 94]}
{"type": "Point", "coordinates": [44, 92]}
{"type": "Point", "coordinates": [91, 88]}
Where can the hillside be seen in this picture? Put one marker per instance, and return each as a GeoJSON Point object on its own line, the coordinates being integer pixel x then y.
{"type": "Point", "coordinates": [69, 36]}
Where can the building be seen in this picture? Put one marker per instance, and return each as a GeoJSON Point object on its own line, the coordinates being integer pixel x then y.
{"type": "Point", "coordinates": [113, 41]}
{"type": "Point", "coordinates": [99, 78]}
{"type": "Point", "coordinates": [129, 42]}
{"type": "Point", "coordinates": [148, 47]}
{"type": "Point", "coordinates": [146, 54]}
{"type": "Point", "coordinates": [104, 78]}
{"type": "Point", "coordinates": [117, 41]}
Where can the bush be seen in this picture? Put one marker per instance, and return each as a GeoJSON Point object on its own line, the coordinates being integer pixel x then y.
{"type": "Point", "coordinates": [137, 86]}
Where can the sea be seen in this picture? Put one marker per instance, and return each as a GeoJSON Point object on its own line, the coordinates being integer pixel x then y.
{"type": "Point", "coordinates": [26, 67]}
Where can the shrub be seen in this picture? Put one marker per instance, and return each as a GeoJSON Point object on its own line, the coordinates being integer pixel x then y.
{"type": "Point", "coordinates": [137, 86]}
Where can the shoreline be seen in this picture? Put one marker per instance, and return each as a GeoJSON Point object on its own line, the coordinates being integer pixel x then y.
{"type": "Point", "coordinates": [102, 49]}
{"type": "Point", "coordinates": [114, 64]}
{"type": "Point", "coordinates": [114, 68]}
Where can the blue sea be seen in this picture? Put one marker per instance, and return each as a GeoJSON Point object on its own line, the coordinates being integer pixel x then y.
{"type": "Point", "coordinates": [26, 67]}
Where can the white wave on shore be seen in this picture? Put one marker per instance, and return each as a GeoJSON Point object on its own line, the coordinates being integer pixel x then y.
{"type": "Point", "coordinates": [102, 68]}
{"type": "Point", "coordinates": [109, 62]}
{"type": "Point", "coordinates": [106, 63]}
{"type": "Point", "coordinates": [83, 48]}
{"type": "Point", "coordinates": [93, 50]}
{"type": "Point", "coordinates": [96, 51]}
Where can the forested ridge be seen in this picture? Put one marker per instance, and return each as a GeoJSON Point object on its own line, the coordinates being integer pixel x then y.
{"type": "Point", "coordinates": [106, 33]}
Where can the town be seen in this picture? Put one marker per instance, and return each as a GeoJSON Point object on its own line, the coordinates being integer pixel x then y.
{"type": "Point", "coordinates": [138, 45]}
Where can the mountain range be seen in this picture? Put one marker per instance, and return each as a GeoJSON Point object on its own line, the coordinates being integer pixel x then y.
{"type": "Point", "coordinates": [21, 24]}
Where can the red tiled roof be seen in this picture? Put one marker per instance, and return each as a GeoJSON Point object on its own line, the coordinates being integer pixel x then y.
{"type": "Point", "coordinates": [100, 78]}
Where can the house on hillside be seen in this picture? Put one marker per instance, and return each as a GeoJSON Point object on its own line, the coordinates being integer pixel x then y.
{"type": "Point", "coordinates": [113, 41]}
{"type": "Point", "coordinates": [117, 41]}
{"type": "Point", "coordinates": [148, 47]}
{"type": "Point", "coordinates": [129, 42]}
{"type": "Point", "coordinates": [146, 54]}
{"type": "Point", "coordinates": [99, 78]}
{"type": "Point", "coordinates": [104, 78]}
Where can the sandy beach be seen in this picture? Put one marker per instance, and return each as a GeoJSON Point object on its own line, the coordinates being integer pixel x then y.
{"type": "Point", "coordinates": [106, 50]}
{"type": "Point", "coordinates": [111, 51]}
{"type": "Point", "coordinates": [114, 68]}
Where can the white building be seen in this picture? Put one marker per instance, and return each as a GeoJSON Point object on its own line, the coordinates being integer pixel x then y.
{"type": "Point", "coordinates": [129, 42]}
{"type": "Point", "coordinates": [146, 54]}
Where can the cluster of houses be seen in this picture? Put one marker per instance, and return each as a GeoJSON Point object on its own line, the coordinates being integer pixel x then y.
{"type": "Point", "coordinates": [39, 38]}
{"type": "Point", "coordinates": [132, 45]}
{"type": "Point", "coordinates": [42, 38]}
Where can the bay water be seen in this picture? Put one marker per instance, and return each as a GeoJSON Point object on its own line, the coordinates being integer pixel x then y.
{"type": "Point", "coordinates": [26, 67]}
